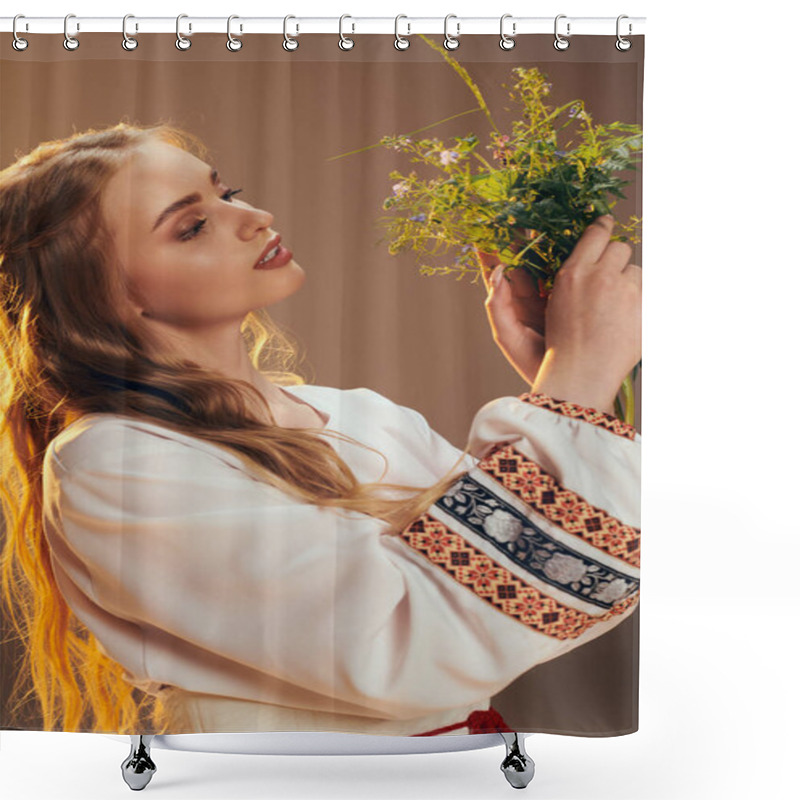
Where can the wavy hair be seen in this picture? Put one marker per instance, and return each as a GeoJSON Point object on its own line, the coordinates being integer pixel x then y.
{"type": "Point", "coordinates": [66, 351]}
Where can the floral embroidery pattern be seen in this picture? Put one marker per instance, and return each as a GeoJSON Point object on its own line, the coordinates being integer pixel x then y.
{"type": "Point", "coordinates": [476, 507]}
{"type": "Point", "coordinates": [496, 585]}
{"type": "Point", "coordinates": [535, 487]}
{"type": "Point", "coordinates": [592, 415]}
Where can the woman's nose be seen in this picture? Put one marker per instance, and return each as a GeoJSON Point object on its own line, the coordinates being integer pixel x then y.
{"type": "Point", "coordinates": [256, 219]}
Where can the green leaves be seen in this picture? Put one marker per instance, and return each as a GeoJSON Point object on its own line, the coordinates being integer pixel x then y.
{"type": "Point", "coordinates": [527, 194]}
{"type": "Point", "coordinates": [490, 185]}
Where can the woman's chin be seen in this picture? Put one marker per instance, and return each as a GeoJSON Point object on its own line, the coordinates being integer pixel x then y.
{"type": "Point", "coordinates": [286, 280]}
{"type": "Point", "coordinates": [297, 270]}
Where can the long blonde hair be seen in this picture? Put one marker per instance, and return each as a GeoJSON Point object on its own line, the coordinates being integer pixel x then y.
{"type": "Point", "coordinates": [65, 351]}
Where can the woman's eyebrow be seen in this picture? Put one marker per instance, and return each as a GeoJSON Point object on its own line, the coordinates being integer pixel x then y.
{"type": "Point", "coordinates": [189, 200]}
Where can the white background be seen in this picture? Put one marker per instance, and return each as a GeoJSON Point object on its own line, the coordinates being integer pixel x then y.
{"type": "Point", "coordinates": [719, 611]}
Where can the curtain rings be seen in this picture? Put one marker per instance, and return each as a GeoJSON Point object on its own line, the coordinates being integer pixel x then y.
{"type": "Point", "coordinates": [344, 42]}
{"type": "Point", "coordinates": [623, 44]}
{"type": "Point", "coordinates": [290, 42]}
{"type": "Point", "coordinates": [400, 42]}
{"type": "Point", "coordinates": [128, 42]}
{"type": "Point", "coordinates": [70, 42]}
{"type": "Point", "coordinates": [233, 44]}
{"type": "Point", "coordinates": [18, 43]}
{"type": "Point", "coordinates": [451, 42]}
{"type": "Point", "coordinates": [507, 42]}
{"type": "Point", "coordinates": [182, 43]}
{"type": "Point", "coordinates": [560, 42]}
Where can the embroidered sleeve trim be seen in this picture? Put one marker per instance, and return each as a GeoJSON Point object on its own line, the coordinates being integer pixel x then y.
{"type": "Point", "coordinates": [496, 585]}
{"type": "Point", "coordinates": [575, 411]}
{"type": "Point", "coordinates": [527, 480]}
{"type": "Point", "coordinates": [482, 515]}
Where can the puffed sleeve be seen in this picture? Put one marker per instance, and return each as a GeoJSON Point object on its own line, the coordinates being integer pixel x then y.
{"type": "Point", "coordinates": [194, 573]}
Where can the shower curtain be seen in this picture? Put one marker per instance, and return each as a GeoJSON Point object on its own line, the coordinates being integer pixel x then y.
{"type": "Point", "coordinates": [174, 559]}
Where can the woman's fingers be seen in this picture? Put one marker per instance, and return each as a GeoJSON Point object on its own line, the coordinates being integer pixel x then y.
{"type": "Point", "coordinates": [634, 272]}
{"type": "Point", "coordinates": [527, 304]}
{"type": "Point", "coordinates": [488, 262]}
{"type": "Point", "coordinates": [512, 321]}
{"type": "Point", "coordinates": [522, 283]}
{"type": "Point", "coordinates": [616, 255]}
{"type": "Point", "coordinates": [592, 244]}
{"type": "Point", "coordinates": [498, 308]}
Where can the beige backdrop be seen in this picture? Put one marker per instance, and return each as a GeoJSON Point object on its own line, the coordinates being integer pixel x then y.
{"type": "Point", "coordinates": [272, 121]}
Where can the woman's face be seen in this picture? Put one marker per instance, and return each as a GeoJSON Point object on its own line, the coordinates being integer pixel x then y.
{"type": "Point", "coordinates": [194, 266]}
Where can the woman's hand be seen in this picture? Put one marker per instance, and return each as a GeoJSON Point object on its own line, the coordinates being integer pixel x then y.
{"type": "Point", "coordinates": [515, 313]}
{"type": "Point", "coordinates": [594, 321]}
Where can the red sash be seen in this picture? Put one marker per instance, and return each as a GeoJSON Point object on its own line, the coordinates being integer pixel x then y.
{"type": "Point", "coordinates": [488, 721]}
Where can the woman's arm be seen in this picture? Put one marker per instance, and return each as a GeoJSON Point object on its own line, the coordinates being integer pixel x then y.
{"type": "Point", "coordinates": [191, 572]}
{"type": "Point", "coordinates": [545, 527]}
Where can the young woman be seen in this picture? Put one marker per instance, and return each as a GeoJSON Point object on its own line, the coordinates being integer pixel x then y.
{"type": "Point", "coordinates": [194, 544]}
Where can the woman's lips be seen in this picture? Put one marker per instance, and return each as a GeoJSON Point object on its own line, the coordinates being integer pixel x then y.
{"type": "Point", "coordinates": [268, 247]}
{"type": "Point", "coordinates": [282, 257]}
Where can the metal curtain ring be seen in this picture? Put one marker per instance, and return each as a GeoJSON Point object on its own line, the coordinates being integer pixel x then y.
{"type": "Point", "coordinates": [623, 44]}
{"type": "Point", "coordinates": [70, 42]}
{"type": "Point", "coordinates": [128, 42]}
{"type": "Point", "coordinates": [18, 43]}
{"type": "Point", "coordinates": [344, 42]}
{"type": "Point", "coordinates": [561, 43]}
{"type": "Point", "coordinates": [451, 42]}
{"type": "Point", "coordinates": [400, 42]}
{"type": "Point", "coordinates": [182, 43]}
{"type": "Point", "coordinates": [506, 41]}
{"type": "Point", "coordinates": [233, 44]}
{"type": "Point", "coordinates": [290, 42]}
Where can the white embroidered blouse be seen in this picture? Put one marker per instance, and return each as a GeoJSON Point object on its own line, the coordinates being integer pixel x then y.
{"type": "Point", "coordinates": [252, 611]}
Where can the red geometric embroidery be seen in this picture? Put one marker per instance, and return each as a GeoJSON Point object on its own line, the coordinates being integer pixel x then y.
{"type": "Point", "coordinates": [599, 418]}
{"type": "Point", "coordinates": [535, 487]}
{"type": "Point", "coordinates": [496, 585]}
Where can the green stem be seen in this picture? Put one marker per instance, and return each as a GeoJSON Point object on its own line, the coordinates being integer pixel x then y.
{"type": "Point", "coordinates": [464, 75]}
{"type": "Point", "coordinates": [630, 400]}
{"type": "Point", "coordinates": [488, 166]}
{"type": "Point", "coordinates": [407, 135]}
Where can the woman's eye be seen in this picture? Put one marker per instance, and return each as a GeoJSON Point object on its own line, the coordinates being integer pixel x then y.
{"type": "Point", "coordinates": [230, 193]}
{"type": "Point", "coordinates": [198, 226]}
{"type": "Point", "coordinates": [193, 231]}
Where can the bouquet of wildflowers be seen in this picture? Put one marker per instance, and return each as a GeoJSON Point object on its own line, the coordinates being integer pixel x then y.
{"type": "Point", "coordinates": [528, 205]}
